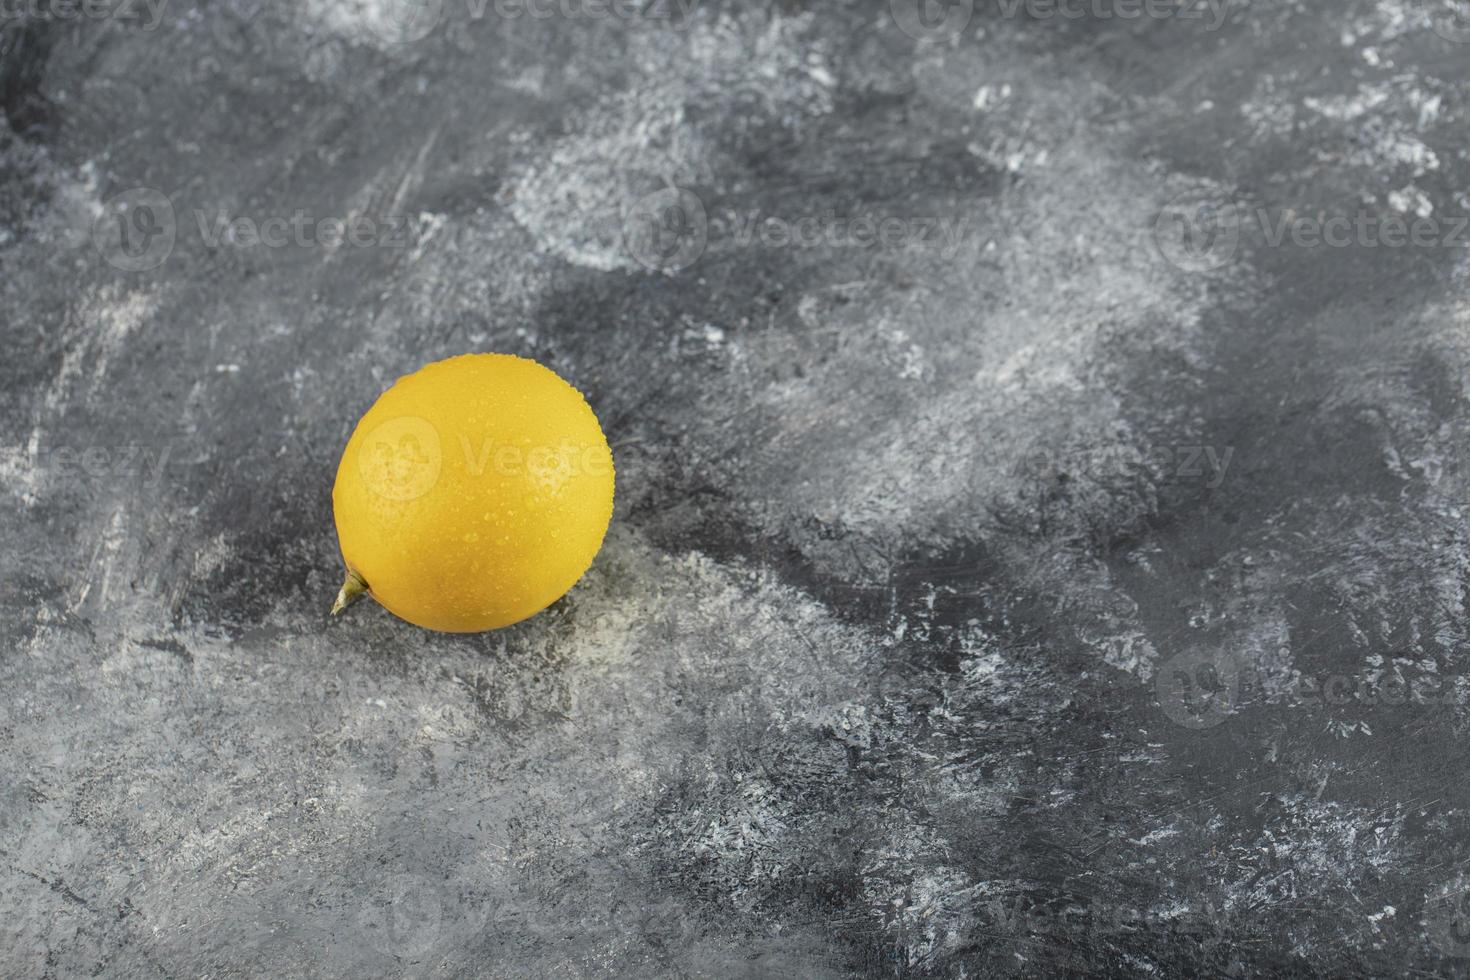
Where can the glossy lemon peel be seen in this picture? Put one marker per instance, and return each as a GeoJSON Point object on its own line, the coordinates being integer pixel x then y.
{"type": "Point", "coordinates": [473, 494]}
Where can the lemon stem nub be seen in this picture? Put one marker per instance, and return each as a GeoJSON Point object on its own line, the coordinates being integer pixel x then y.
{"type": "Point", "coordinates": [353, 587]}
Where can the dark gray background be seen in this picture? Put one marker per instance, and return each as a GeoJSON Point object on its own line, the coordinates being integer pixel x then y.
{"type": "Point", "coordinates": [1086, 594]}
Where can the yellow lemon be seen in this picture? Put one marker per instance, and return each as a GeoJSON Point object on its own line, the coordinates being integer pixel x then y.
{"type": "Point", "coordinates": [474, 493]}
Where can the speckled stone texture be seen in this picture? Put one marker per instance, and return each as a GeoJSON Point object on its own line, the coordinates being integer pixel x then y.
{"type": "Point", "coordinates": [1039, 545]}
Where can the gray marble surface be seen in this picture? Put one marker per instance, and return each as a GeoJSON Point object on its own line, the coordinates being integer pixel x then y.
{"type": "Point", "coordinates": [1040, 543]}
